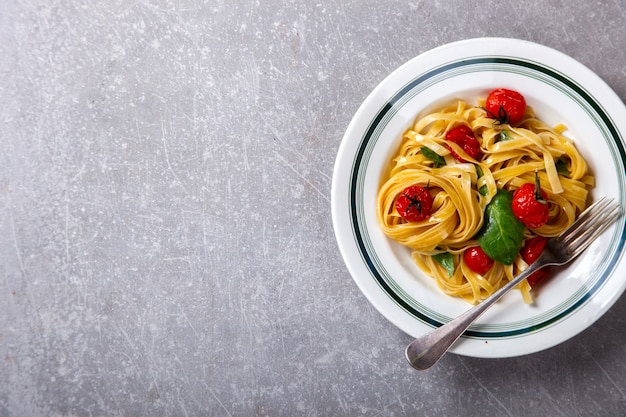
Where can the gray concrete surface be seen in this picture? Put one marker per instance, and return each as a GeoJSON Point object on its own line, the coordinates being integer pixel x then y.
{"type": "Point", "coordinates": [166, 245]}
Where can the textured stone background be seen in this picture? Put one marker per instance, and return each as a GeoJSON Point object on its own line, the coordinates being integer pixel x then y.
{"type": "Point", "coordinates": [166, 246]}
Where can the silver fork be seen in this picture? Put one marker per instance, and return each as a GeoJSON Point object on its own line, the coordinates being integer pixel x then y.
{"type": "Point", "coordinates": [425, 351]}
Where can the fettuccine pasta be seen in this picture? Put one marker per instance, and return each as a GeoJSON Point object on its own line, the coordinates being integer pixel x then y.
{"type": "Point", "coordinates": [510, 157]}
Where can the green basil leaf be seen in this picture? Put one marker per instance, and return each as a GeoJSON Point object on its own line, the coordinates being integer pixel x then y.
{"type": "Point", "coordinates": [504, 135]}
{"type": "Point", "coordinates": [482, 190]}
{"type": "Point", "coordinates": [561, 167]}
{"type": "Point", "coordinates": [433, 156]}
{"type": "Point", "coordinates": [502, 234]}
{"type": "Point", "coordinates": [445, 259]}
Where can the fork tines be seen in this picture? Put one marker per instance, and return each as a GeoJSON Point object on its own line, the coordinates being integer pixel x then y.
{"type": "Point", "coordinates": [590, 224]}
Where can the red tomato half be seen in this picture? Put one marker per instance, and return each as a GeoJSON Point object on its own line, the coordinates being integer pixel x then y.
{"type": "Point", "coordinates": [414, 204]}
{"type": "Point", "coordinates": [506, 106]}
{"type": "Point", "coordinates": [477, 260]}
{"type": "Point", "coordinates": [530, 252]}
{"type": "Point", "coordinates": [464, 137]}
{"type": "Point", "coordinates": [530, 205]}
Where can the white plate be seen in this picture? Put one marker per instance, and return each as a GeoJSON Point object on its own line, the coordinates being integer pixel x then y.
{"type": "Point", "coordinates": [561, 90]}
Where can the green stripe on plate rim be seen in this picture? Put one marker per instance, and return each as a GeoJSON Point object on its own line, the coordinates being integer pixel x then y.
{"type": "Point", "coordinates": [526, 68]}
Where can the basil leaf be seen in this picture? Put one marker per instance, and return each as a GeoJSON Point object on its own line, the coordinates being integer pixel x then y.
{"type": "Point", "coordinates": [445, 259]}
{"type": "Point", "coordinates": [561, 167]}
{"type": "Point", "coordinates": [504, 135]}
{"type": "Point", "coordinates": [502, 234]}
{"type": "Point", "coordinates": [433, 156]}
{"type": "Point", "coordinates": [482, 190]}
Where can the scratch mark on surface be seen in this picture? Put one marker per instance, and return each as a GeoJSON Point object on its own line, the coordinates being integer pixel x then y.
{"type": "Point", "coordinates": [149, 357]}
{"type": "Point", "coordinates": [244, 317]}
{"type": "Point", "coordinates": [219, 402]}
{"type": "Point", "coordinates": [181, 402]}
{"type": "Point", "coordinates": [78, 174]}
{"type": "Point", "coordinates": [208, 263]}
{"type": "Point", "coordinates": [604, 372]}
{"type": "Point", "coordinates": [167, 159]}
{"type": "Point", "coordinates": [182, 312]}
{"type": "Point", "coordinates": [67, 239]}
{"type": "Point", "coordinates": [246, 164]}
{"type": "Point", "coordinates": [397, 395]}
{"type": "Point", "coordinates": [130, 341]}
{"type": "Point", "coordinates": [520, 18]}
{"type": "Point", "coordinates": [486, 389]}
{"type": "Point", "coordinates": [340, 37]}
{"type": "Point", "coordinates": [295, 171]}
{"type": "Point", "coordinates": [15, 244]}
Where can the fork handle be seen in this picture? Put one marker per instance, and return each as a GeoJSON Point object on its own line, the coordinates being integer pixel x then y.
{"type": "Point", "coordinates": [426, 350]}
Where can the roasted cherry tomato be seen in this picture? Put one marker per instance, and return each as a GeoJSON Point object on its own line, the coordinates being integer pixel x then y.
{"type": "Point", "coordinates": [414, 204]}
{"type": "Point", "coordinates": [477, 260]}
{"type": "Point", "coordinates": [530, 204]}
{"type": "Point", "coordinates": [506, 106]}
{"type": "Point", "coordinates": [464, 137]}
{"type": "Point", "coordinates": [530, 252]}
